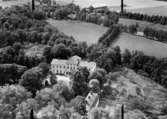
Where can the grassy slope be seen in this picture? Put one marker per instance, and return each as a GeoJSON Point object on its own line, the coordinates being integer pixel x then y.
{"type": "Point", "coordinates": [81, 31]}
{"type": "Point", "coordinates": [149, 47]}
{"type": "Point", "coordinates": [127, 84]}
{"type": "Point", "coordinates": [142, 24]}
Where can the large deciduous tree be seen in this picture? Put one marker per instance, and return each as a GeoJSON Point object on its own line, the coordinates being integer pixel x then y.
{"type": "Point", "coordinates": [61, 51]}
{"type": "Point", "coordinates": [10, 97]}
{"type": "Point", "coordinates": [79, 84]}
{"type": "Point", "coordinates": [31, 80]}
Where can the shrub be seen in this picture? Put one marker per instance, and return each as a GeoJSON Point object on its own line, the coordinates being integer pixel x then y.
{"type": "Point", "coordinates": [39, 15]}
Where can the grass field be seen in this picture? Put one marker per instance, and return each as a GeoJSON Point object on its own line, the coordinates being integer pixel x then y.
{"type": "Point", "coordinates": [142, 24]}
{"type": "Point", "coordinates": [81, 31]}
{"type": "Point", "coordinates": [13, 2]}
{"type": "Point", "coordinates": [149, 47]}
{"type": "Point", "coordinates": [158, 10]}
{"type": "Point", "coordinates": [4, 4]}
{"type": "Point", "coordinates": [90, 33]}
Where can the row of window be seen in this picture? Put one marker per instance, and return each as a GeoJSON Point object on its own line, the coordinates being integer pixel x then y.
{"type": "Point", "coordinates": [68, 67]}
{"type": "Point", "coordinates": [63, 73]}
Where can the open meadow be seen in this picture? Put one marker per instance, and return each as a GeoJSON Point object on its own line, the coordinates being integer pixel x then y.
{"type": "Point", "coordinates": [149, 47]}
{"type": "Point", "coordinates": [81, 31]}
{"type": "Point", "coordinates": [4, 4]}
{"type": "Point", "coordinates": [90, 33]}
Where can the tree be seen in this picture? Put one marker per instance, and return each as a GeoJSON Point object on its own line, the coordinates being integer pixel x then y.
{"type": "Point", "coordinates": [126, 57]}
{"type": "Point", "coordinates": [45, 68]}
{"type": "Point", "coordinates": [132, 29]}
{"type": "Point", "coordinates": [109, 60]}
{"type": "Point", "coordinates": [79, 84]}
{"type": "Point", "coordinates": [99, 74]}
{"type": "Point", "coordinates": [79, 49]}
{"type": "Point", "coordinates": [31, 80]}
{"type": "Point", "coordinates": [17, 46]}
{"type": "Point", "coordinates": [63, 90]}
{"type": "Point", "coordinates": [47, 54]}
{"type": "Point", "coordinates": [39, 15]}
{"type": "Point", "coordinates": [118, 55]}
{"type": "Point", "coordinates": [79, 105]}
{"type": "Point", "coordinates": [48, 112]}
{"type": "Point", "coordinates": [94, 85]}
{"type": "Point", "coordinates": [100, 113]}
{"type": "Point", "coordinates": [25, 108]}
{"type": "Point", "coordinates": [11, 73]}
{"type": "Point", "coordinates": [49, 96]}
{"type": "Point", "coordinates": [85, 73]}
{"type": "Point", "coordinates": [60, 51]}
{"type": "Point", "coordinates": [10, 97]}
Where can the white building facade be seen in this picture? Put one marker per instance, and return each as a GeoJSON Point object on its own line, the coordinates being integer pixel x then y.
{"type": "Point", "coordinates": [66, 67]}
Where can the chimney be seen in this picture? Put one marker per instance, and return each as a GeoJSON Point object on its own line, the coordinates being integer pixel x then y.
{"type": "Point", "coordinates": [122, 6]}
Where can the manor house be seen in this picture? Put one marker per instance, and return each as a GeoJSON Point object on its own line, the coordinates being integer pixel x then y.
{"type": "Point", "coordinates": [66, 67]}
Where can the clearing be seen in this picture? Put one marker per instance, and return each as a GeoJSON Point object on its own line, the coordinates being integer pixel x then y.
{"type": "Point", "coordinates": [149, 47]}
{"type": "Point", "coordinates": [81, 31]}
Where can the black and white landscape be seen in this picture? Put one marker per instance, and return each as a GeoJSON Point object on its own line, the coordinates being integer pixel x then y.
{"type": "Point", "coordinates": [83, 59]}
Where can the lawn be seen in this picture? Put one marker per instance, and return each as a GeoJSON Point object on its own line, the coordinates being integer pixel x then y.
{"type": "Point", "coordinates": [149, 47]}
{"type": "Point", "coordinates": [81, 31]}
{"type": "Point", "coordinates": [142, 24]}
